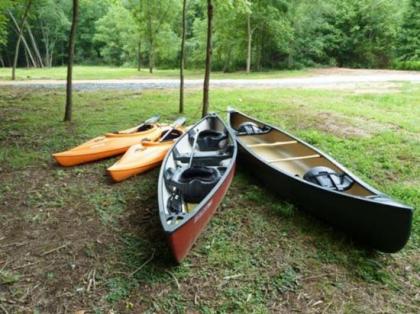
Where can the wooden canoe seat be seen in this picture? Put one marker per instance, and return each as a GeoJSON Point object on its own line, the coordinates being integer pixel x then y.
{"type": "Point", "coordinates": [294, 158]}
{"type": "Point", "coordinates": [272, 144]}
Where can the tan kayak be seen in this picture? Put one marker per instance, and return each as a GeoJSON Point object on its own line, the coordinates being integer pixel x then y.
{"type": "Point", "coordinates": [145, 156]}
{"type": "Point", "coordinates": [110, 144]}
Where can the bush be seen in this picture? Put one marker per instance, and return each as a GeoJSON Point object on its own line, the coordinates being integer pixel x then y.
{"type": "Point", "coordinates": [406, 65]}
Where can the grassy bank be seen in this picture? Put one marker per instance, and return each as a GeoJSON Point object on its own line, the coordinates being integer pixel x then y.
{"type": "Point", "coordinates": [71, 240]}
{"type": "Point", "coordinates": [105, 72]}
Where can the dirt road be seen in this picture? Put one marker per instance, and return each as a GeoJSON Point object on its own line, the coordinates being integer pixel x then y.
{"type": "Point", "coordinates": [332, 78]}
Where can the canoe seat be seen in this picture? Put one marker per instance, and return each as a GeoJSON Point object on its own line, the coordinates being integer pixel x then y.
{"type": "Point", "coordinates": [329, 179]}
{"type": "Point", "coordinates": [208, 140]}
{"type": "Point", "coordinates": [251, 128]}
{"type": "Point", "coordinates": [191, 184]}
{"type": "Point", "coordinates": [207, 158]}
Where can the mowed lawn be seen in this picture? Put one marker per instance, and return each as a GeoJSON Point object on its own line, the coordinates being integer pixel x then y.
{"type": "Point", "coordinates": [81, 72]}
{"type": "Point", "coordinates": [72, 240]}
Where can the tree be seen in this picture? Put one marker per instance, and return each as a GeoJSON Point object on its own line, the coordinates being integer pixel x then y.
{"type": "Point", "coordinates": [88, 50]}
{"type": "Point", "coordinates": [408, 47]}
{"type": "Point", "coordinates": [182, 61]}
{"type": "Point", "coordinates": [4, 4]}
{"type": "Point", "coordinates": [53, 25]}
{"type": "Point", "coordinates": [19, 39]}
{"type": "Point", "coordinates": [118, 36]}
{"type": "Point", "coordinates": [208, 59]}
{"type": "Point", "coordinates": [155, 19]}
{"type": "Point", "coordinates": [69, 100]}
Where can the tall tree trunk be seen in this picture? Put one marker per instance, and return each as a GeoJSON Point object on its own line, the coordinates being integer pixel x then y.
{"type": "Point", "coordinates": [227, 59]}
{"type": "Point", "coordinates": [69, 101]}
{"type": "Point", "coordinates": [208, 59]}
{"type": "Point", "coordinates": [26, 59]}
{"type": "Point", "coordinates": [139, 56]}
{"type": "Point", "coordinates": [248, 58]}
{"type": "Point", "coordinates": [182, 61]}
{"type": "Point", "coordinates": [28, 51]}
{"type": "Point", "coordinates": [151, 40]}
{"type": "Point", "coordinates": [25, 44]}
{"type": "Point", "coordinates": [34, 45]}
{"type": "Point", "coordinates": [25, 15]}
{"type": "Point", "coordinates": [1, 61]}
{"type": "Point", "coordinates": [46, 42]}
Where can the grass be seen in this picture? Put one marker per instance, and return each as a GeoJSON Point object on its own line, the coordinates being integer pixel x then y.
{"type": "Point", "coordinates": [70, 239]}
{"type": "Point", "coordinates": [107, 72]}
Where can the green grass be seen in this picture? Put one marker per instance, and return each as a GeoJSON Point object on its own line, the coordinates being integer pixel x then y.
{"type": "Point", "coordinates": [107, 72]}
{"type": "Point", "coordinates": [259, 254]}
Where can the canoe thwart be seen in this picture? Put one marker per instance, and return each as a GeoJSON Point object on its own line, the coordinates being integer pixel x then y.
{"type": "Point", "coordinates": [272, 144]}
{"type": "Point", "coordinates": [294, 158]}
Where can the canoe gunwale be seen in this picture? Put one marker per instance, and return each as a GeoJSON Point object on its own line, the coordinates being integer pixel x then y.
{"type": "Point", "coordinates": [322, 155]}
{"type": "Point", "coordinates": [383, 226]}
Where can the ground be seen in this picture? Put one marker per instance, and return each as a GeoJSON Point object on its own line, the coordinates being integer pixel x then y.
{"type": "Point", "coordinates": [70, 240]}
{"type": "Point", "coordinates": [106, 78]}
{"type": "Point", "coordinates": [107, 72]}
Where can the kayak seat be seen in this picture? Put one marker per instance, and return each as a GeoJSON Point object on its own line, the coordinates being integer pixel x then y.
{"type": "Point", "coordinates": [192, 183]}
{"type": "Point", "coordinates": [329, 179]}
{"type": "Point", "coordinates": [171, 136]}
{"type": "Point", "coordinates": [206, 158]}
{"type": "Point", "coordinates": [251, 128]}
{"type": "Point", "coordinates": [208, 139]}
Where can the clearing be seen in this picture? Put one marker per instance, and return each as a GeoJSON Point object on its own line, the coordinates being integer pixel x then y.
{"type": "Point", "coordinates": [71, 240]}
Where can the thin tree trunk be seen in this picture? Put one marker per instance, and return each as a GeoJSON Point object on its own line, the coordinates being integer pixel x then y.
{"type": "Point", "coordinates": [208, 59]}
{"type": "Point", "coordinates": [182, 63]}
{"type": "Point", "coordinates": [34, 45]}
{"type": "Point", "coordinates": [226, 63]}
{"type": "Point", "coordinates": [1, 61]}
{"type": "Point", "coordinates": [26, 59]}
{"type": "Point", "coordinates": [20, 30]}
{"type": "Point", "coordinates": [28, 50]}
{"type": "Point", "coordinates": [248, 59]}
{"type": "Point", "coordinates": [23, 37]}
{"type": "Point", "coordinates": [69, 101]}
{"type": "Point", "coordinates": [151, 40]}
{"type": "Point", "coordinates": [139, 56]}
{"type": "Point", "coordinates": [46, 41]}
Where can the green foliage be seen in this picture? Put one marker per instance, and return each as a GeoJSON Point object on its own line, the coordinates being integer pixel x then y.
{"type": "Point", "coordinates": [117, 34]}
{"type": "Point", "coordinates": [407, 65]}
{"type": "Point", "coordinates": [362, 33]}
{"type": "Point", "coordinates": [280, 33]}
{"type": "Point", "coordinates": [409, 37]}
{"type": "Point", "coordinates": [156, 22]}
{"type": "Point", "coordinates": [87, 49]}
{"type": "Point", "coordinates": [4, 4]}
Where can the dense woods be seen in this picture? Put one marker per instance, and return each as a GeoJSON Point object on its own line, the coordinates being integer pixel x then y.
{"type": "Point", "coordinates": [248, 35]}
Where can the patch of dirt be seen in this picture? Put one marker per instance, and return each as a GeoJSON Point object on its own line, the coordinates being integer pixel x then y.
{"type": "Point", "coordinates": [54, 251]}
{"type": "Point", "coordinates": [332, 123]}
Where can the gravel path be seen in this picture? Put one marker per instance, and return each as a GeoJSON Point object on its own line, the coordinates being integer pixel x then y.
{"type": "Point", "coordinates": [328, 79]}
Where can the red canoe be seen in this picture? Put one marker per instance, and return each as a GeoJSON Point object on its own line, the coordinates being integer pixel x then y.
{"type": "Point", "coordinates": [193, 180]}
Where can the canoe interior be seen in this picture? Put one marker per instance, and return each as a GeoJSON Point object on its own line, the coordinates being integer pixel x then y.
{"type": "Point", "coordinates": [183, 146]}
{"type": "Point", "coordinates": [288, 153]}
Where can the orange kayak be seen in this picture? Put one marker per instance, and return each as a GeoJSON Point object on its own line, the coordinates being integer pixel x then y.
{"type": "Point", "coordinates": [111, 144]}
{"type": "Point", "coordinates": [142, 157]}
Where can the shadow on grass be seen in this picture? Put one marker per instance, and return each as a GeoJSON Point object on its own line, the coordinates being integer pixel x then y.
{"type": "Point", "coordinates": [329, 245]}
